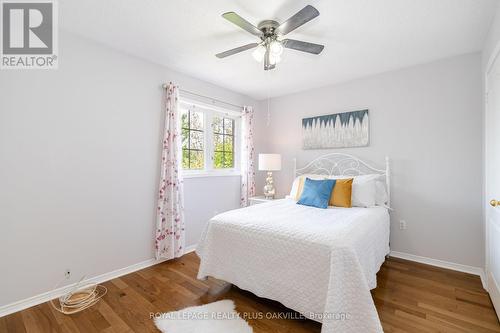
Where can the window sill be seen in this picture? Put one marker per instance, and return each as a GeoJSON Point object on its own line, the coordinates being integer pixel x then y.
{"type": "Point", "coordinates": [210, 174]}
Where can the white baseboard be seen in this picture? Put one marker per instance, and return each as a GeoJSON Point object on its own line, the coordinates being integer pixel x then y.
{"type": "Point", "coordinates": [494, 292]}
{"type": "Point", "coordinates": [52, 294]}
{"type": "Point", "coordinates": [443, 264]}
{"type": "Point", "coordinates": [190, 249]}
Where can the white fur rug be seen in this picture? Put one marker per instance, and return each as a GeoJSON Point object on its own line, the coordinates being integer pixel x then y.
{"type": "Point", "coordinates": [217, 317]}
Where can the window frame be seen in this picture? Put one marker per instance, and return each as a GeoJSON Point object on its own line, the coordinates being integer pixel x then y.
{"type": "Point", "coordinates": [208, 145]}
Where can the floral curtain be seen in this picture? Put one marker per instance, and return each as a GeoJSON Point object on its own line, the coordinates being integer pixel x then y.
{"type": "Point", "coordinates": [169, 240]}
{"type": "Point", "coordinates": [247, 157]}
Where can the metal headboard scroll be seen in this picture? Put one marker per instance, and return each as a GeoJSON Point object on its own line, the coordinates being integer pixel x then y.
{"type": "Point", "coordinates": [338, 164]}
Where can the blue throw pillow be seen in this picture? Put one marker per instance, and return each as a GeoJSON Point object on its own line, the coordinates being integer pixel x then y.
{"type": "Point", "coordinates": [316, 193]}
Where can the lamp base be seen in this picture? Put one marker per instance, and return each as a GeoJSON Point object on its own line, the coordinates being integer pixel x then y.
{"type": "Point", "coordinates": [269, 190]}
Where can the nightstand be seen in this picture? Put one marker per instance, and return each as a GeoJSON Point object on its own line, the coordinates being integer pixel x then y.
{"type": "Point", "coordinates": [258, 200]}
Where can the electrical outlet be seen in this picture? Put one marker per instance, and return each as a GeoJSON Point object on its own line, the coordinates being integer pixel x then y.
{"type": "Point", "coordinates": [67, 274]}
{"type": "Point", "coordinates": [402, 225]}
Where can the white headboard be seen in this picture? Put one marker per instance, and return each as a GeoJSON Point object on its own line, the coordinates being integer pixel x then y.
{"type": "Point", "coordinates": [337, 164]}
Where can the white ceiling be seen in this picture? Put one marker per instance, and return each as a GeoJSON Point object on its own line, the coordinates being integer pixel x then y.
{"type": "Point", "coordinates": [362, 37]}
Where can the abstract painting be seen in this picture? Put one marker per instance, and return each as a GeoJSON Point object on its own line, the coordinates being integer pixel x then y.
{"type": "Point", "coordinates": [338, 130]}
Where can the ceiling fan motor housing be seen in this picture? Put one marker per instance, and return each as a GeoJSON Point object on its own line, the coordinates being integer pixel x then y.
{"type": "Point", "coordinates": [268, 28]}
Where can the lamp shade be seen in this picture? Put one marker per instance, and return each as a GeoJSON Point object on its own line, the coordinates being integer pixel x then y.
{"type": "Point", "coordinates": [269, 162]}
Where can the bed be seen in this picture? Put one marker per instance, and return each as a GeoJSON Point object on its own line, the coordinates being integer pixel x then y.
{"type": "Point", "coordinates": [321, 263]}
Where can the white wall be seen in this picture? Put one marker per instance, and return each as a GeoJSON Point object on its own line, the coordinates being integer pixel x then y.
{"type": "Point", "coordinates": [428, 120]}
{"type": "Point", "coordinates": [79, 154]}
{"type": "Point", "coordinates": [492, 38]}
{"type": "Point", "coordinates": [206, 197]}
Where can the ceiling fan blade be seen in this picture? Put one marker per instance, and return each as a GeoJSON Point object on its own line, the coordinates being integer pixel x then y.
{"type": "Point", "coordinates": [236, 50]}
{"type": "Point", "coordinates": [303, 46]}
{"type": "Point", "coordinates": [242, 23]}
{"type": "Point", "coordinates": [303, 16]}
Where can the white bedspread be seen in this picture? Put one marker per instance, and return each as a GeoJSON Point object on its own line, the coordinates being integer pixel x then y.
{"type": "Point", "coordinates": [319, 262]}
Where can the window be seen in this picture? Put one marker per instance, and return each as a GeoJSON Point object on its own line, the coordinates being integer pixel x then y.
{"type": "Point", "coordinates": [192, 140]}
{"type": "Point", "coordinates": [209, 140]}
{"type": "Point", "coordinates": [223, 142]}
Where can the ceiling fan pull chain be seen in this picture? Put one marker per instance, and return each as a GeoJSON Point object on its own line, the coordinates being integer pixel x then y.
{"type": "Point", "coordinates": [268, 122]}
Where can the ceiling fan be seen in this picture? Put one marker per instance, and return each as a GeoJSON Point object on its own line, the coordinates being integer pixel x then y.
{"type": "Point", "coordinates": [270, 47]}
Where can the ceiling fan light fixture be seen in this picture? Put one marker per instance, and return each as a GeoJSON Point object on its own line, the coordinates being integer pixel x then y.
{"type": "Point", "coordinates": [259, 52]}
{"type": "Point", "coordinates": [276, 48]}
{"type": "Point", "coordinates": [274, 59]}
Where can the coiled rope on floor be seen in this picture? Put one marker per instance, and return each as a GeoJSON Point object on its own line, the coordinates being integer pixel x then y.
{"type": "Point", "coordinates": [79, 297]}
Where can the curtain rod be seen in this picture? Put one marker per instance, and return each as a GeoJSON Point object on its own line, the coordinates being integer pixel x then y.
{"type": "Point", "coordinates": [207, 97]}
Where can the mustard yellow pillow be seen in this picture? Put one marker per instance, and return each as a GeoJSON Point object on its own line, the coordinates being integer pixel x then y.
{"type": "Point", "coordinates": [341, 194]}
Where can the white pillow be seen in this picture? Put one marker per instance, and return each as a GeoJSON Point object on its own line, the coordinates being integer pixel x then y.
{"type": "Point", "coordinates": [381, 196]}
{"type": "Point", "coordinates": [364, 190]}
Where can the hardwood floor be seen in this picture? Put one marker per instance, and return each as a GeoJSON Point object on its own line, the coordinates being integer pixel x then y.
{"type": "Point", "coordinates": [410, 297]}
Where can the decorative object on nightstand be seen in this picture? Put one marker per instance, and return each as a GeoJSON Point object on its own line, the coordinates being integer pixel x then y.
{"type": "Point", "coordinates": [269, 163]}
{"type": "Point", "coordinates": [258, 200]}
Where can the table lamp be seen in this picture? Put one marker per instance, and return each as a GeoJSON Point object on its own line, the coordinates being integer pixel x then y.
{"type": "Point", "coordinates": [269, 163]}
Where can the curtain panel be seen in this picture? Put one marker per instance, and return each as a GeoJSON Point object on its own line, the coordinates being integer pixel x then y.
{"type": "Point", "coordinates": [170, 232]}
{"type": "Point", "coordinates": [247, 156]}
